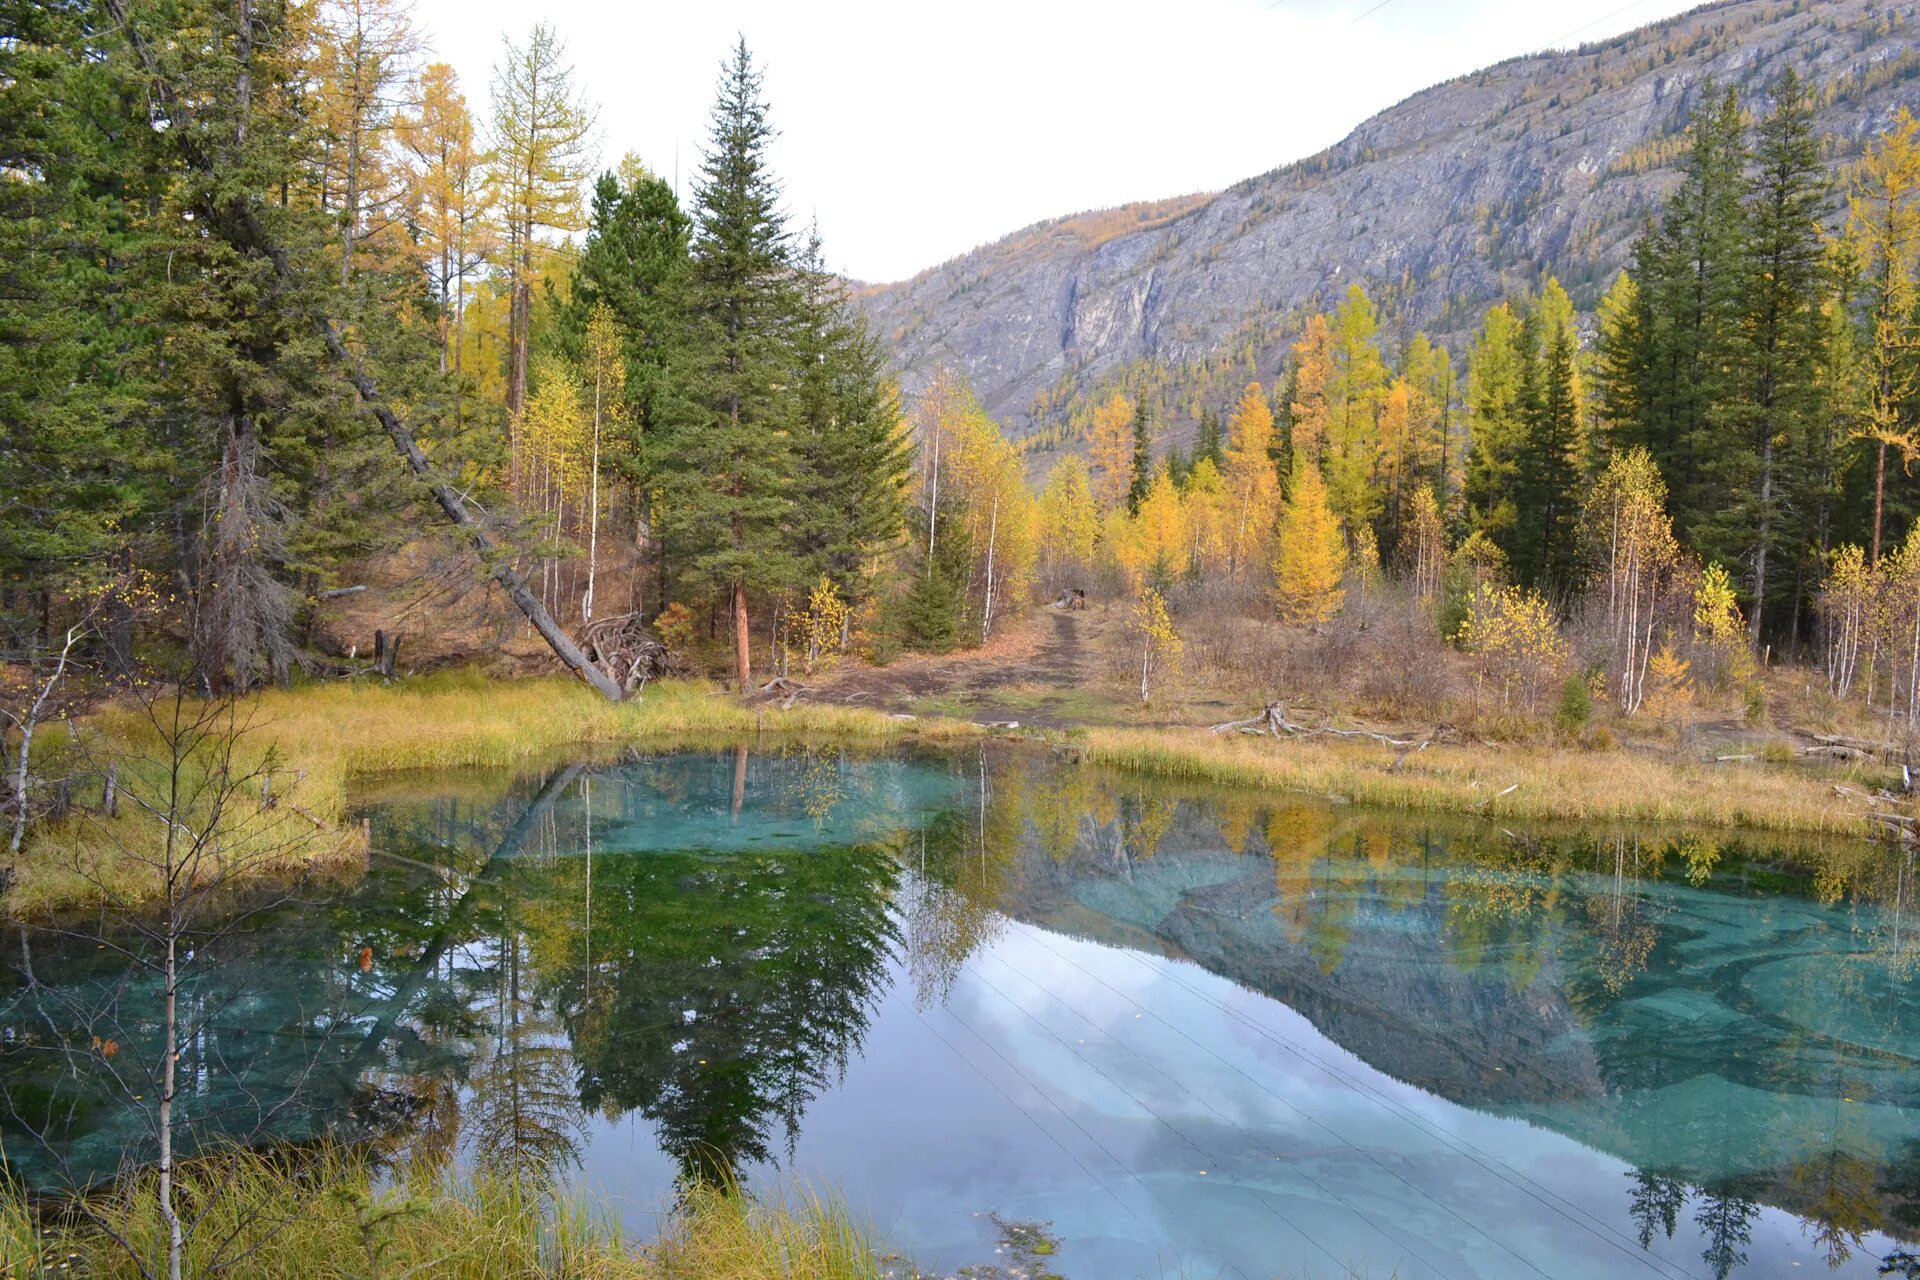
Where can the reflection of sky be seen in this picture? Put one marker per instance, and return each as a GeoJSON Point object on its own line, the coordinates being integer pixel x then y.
{"type": "Point", "coordinates": [1169, 1122]}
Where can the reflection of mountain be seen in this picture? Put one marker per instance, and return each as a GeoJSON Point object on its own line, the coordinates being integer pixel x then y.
{"type": "Point", "coordinates": [1726, 1040]}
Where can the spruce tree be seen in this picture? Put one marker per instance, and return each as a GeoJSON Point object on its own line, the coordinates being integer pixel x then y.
{"type": "Point", "coordinates": [852, 453]}
{"type": "Point", "coordinates": [1210, 444]}
{"type": "Point", "coordinates": [1142, 456]}
{"type": "Point", "coordinates": [728, 464]}
{"type": "Point", "coordinates": [1778, 357]}
{"type": "Point", "coordinates": [1544, 550]}
{"type": "Point", "coordinates": [1692, 277]}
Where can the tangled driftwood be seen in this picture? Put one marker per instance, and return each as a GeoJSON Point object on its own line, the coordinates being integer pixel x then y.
{"type": "Point", "coordinates": [785, 691]}
{"type": "Point", "coordinates": [627, 653]}
{"type": "Point", "coordinates": [1272, 722]}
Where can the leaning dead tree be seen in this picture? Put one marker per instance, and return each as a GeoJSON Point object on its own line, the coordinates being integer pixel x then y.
{"type": "Point", "coordinates": [237, 220]}
{"type": "Point", "coordinates": [1272, 722]}
{"type": "Point", "coordinates": [626, 652]}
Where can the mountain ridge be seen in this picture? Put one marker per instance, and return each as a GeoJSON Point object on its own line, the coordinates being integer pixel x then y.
{"type": "Point", "coordinates": [1466, 190]}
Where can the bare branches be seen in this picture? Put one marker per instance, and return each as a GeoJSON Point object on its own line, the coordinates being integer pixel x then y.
{"type": "Point", "coordinates": [27, 722]}
{"type": "Point", "coordinates": [1272, 722]}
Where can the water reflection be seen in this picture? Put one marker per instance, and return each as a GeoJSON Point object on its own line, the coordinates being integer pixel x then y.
{"type": "Point", "coordinates": [803, 959]}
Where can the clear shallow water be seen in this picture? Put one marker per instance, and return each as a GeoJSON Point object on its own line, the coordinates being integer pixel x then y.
{"type": "Point", "coordinates": [1200, 1033]}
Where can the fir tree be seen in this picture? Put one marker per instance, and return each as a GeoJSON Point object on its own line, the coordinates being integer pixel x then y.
{"type": "Point", "coordinates": [728, 467]}
{"type": "Point", "coordinates": [1778, 358]}
{"type": "Point", "coordinates": [1692, 276]}
{"type": "Point", "coordinates": [1142, 456]}
{"type": "Point", "coordinates": [852, 453]}
{"type": "Point", "coordinates": [1543, 550]}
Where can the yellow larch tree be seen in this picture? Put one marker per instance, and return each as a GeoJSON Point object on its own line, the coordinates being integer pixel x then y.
{"type": "Point", "coordinates": [1253, 490]}
{"type": "Point", "coordinates": [1355, 395]}
{"type": "Point", "coordinates": [1883, 228]}
{"type": "Point", "coordinates": [1398, 461]}
{"type": "Point", "coordinates": [1069, 520]}
{"type": "Point", "coordinates": [541, 157]}
{"type": "Point", "coordinates": [449, 197]}
{"type": "Point", "coordinates": [1310, 555]}
{"type": "Point", "coordinates": [1161, 539]}
{"type": "Point", "coordinates": [1207, 526]}
{"type": "Point", "coordinates": [1110, 450]}
{"type": "Point", "coordinates": [361, 61]}
{"type": "Point", "coordinates": [1313, 365]}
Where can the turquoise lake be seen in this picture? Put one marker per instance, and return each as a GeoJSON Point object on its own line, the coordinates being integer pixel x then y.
{"type": "Point", "coordinates": [1193, 1032]}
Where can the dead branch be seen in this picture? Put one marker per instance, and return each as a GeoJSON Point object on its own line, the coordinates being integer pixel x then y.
{"type": "Point", "coordinates": [1272, 722]}
{"type": "Point", "coordinates": [789, 691]}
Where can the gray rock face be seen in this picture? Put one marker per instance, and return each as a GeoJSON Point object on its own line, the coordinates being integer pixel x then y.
{"type": "Point", "coordinates": [1544, 164]}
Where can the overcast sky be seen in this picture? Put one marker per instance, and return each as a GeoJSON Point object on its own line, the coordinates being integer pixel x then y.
{"type": "Point", "coordinates": [916, 131]}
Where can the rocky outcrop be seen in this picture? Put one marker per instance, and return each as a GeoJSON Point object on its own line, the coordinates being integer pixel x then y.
{"type": "Point", "coordinates": [1544, 164]}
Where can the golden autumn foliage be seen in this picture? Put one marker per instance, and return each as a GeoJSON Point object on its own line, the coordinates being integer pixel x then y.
{"type": "Point", "coordinates": [1069, 518]}
{"type": "Point", "coordinates": [1110, 450]}
{"type": "Point", "coordinates": [1515, 638]}
{"type": "Point", "coordinates": [1310, 555]}
{"type": "Point", "coordinates": [1252, 489]}
{"type": "Point", "coordinates": [1426, 544]}
{"type": "Point", "coordinates": [1160, 644]}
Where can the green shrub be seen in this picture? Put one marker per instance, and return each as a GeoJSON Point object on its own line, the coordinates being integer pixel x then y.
{"type": "Point", "coordinates": [1575, 707]}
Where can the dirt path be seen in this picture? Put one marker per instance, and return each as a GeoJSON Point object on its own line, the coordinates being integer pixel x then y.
{"type": "Point", "coordinates": [1046, 672]}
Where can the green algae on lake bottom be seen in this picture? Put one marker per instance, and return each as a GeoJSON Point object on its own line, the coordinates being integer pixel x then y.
{"type": "Point", "coordinates": [1189, 1029]}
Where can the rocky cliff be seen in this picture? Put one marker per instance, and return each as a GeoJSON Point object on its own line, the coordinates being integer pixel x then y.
{"type": "Point", "coordinates": [1544, 164]}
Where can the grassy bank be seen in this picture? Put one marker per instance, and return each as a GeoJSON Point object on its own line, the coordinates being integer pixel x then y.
{"type": "Point", "coordinates": [325, 737]}
{"type": "Point", "coordinates": [1518, 783]}
{"type": "Point", "coordinates": [331, 1219]}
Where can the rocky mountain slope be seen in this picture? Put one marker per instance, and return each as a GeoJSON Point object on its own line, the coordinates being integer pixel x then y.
{"type": "Point", "coordinates": [1544, 164]}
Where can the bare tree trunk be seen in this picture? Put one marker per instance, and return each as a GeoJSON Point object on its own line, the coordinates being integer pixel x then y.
{"type": "Point", "coordinates": [169, 1070]}
{"type": "Point", "coordinates": [593, 512]}
{"type": "Point", "coordinates": [28, 722]}
{"type": "Point", "coordinates": [742, 651]}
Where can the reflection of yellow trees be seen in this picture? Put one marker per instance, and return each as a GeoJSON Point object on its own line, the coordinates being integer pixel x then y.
{"type": "Point", "coordinates": [1307, 904]}
{"type": "Point", "coordinates": [1056, 807]}
{"type": "Point", "coordinates": [1617, 913]}
{"type": "Point", "coordinates": [1506, 891]}
{"type": "Point", "coordinates": [1836, 1189]}
{"type": "Point", "coordinates": [1147, 825]}
{"type": "Point", "coordinates": [1236, 823]}
{"type": "Point", "coordinates": [1701, 856]}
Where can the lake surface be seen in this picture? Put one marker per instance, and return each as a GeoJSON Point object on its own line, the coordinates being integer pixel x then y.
{"type": "Point", "coordinates": [1195, 1033]}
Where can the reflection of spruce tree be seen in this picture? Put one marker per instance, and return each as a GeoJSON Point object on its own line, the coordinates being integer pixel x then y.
{"type": "Point", "coordinates": [1656, 1203]}
{"type": "Point", "coordinates": [1725, 1218]}
{"type": "Point", "coordinates": [728, 991]}
{"type": "Point", "coordinates": [525, 1119]}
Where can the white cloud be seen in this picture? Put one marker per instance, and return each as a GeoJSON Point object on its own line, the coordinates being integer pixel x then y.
{"type": "Point", "coordinates": [914, 131]}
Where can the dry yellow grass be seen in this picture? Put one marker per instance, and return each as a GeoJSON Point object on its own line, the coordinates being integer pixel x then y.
{"type": "Point", "coordinates": [327, 736]}
{"type": "Point", "coordinates": [1528, 783]}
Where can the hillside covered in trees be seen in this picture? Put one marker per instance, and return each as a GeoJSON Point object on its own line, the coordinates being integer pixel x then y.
{"type": "Point", "coordinates": [1459, 196]}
